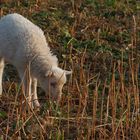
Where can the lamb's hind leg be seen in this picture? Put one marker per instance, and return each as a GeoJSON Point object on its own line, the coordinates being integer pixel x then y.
{"type": "Point", "coordinates": [1, 73]}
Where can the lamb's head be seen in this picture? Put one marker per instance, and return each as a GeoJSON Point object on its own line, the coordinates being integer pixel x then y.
{"type": "Point", "coordinates": [54, 81]}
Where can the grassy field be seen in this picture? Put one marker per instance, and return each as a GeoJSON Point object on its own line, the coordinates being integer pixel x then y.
{"type": "Point", "coordinates": [99, 41]}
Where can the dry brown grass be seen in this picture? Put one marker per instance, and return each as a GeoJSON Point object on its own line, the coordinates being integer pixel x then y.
{"type": "Point", "coordinates": [101, 99]}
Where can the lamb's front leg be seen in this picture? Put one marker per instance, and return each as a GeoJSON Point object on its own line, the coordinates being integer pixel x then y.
{"type": "Point", "coordinates": [34, 93]}
{"type": "Point", "coordinates": [1, 73]}
{"type": "Point", "coordinates": [27, 81]}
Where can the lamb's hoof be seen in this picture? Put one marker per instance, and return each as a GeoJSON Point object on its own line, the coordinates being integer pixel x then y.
{"type": "Point", "coordinates": [37, 107]}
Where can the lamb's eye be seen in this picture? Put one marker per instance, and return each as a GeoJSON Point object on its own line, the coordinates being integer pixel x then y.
{"type": "Point", "coordinates": [53, 84]}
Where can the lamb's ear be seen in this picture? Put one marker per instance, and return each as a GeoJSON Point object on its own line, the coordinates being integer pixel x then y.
{"type": "Point", "coordinates": [49, 74]}
{"type": "Point", "coordinates": [67, 72]}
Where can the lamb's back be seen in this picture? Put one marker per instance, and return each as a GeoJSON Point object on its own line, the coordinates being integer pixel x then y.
{"type": "Point", "coordinates": [20, 38]}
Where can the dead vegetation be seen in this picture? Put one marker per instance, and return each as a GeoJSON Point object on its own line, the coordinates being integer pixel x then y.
{"type": "Point", "coordinates": [99, 41]}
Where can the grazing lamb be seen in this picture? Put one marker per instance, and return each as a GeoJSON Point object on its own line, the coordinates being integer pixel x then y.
{"type": "Point", "coordinates": [23, 44]}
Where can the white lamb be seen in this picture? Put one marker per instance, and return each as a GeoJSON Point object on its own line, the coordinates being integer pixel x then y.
{"type": "Point", "coordinates": [23, 44]}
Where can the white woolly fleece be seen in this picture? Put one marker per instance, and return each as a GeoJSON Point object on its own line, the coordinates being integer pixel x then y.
{"type": "Point", "coordinates": [23, 44]}
{"type": "Point", "coordinates": [21, 40]}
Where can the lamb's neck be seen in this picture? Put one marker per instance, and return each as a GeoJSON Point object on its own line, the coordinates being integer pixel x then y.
{"type": "Point", "coordinates": [41, 64]}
